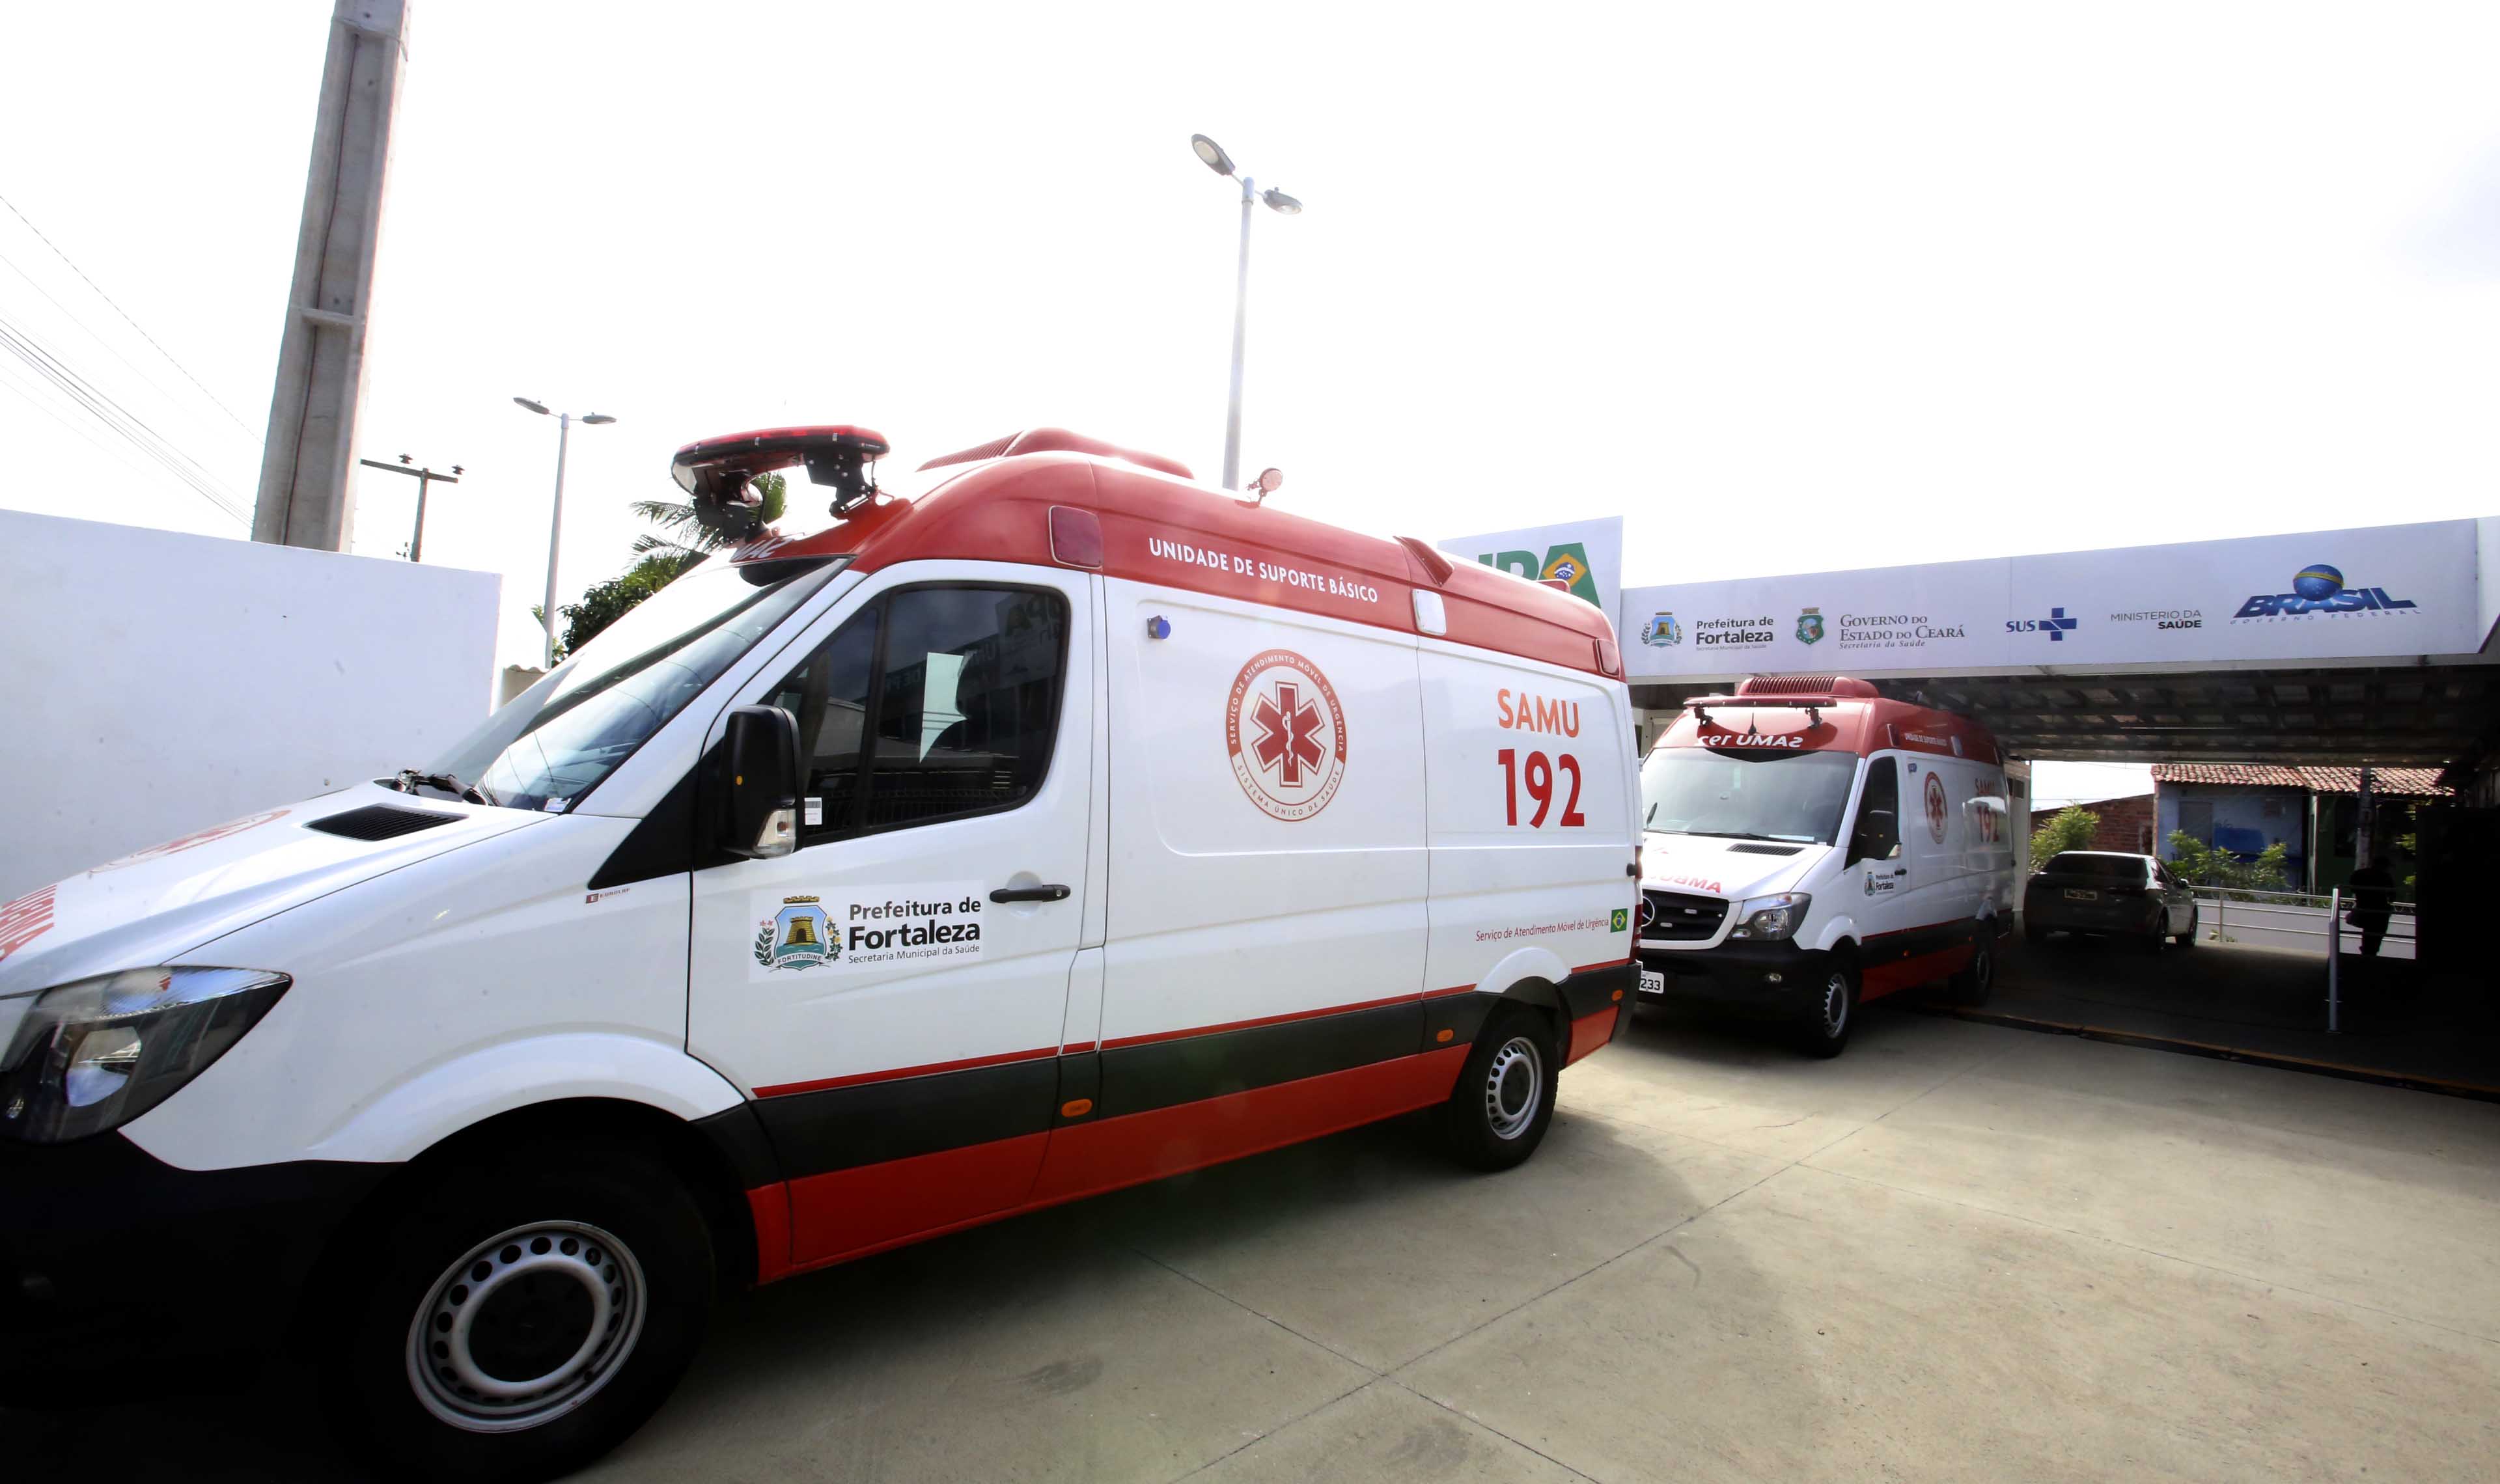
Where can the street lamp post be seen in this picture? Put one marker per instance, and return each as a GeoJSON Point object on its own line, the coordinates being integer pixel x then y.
{"type": "Point", "coordinates": [555, 519]}
{"type": "Point", "coordinates": [424, 476]}
{"type": "Point", "coordinates": [1212, 155]}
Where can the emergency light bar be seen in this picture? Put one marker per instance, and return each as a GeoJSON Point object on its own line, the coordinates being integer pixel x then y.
{"type": "Point", "coordinates": [718, 472]}
{"type": "Point", "coordinates": [1812, 706]}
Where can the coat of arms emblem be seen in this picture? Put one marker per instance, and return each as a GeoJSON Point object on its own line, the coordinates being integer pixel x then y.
{"type": "Point", "coordinates": [1809, 629]}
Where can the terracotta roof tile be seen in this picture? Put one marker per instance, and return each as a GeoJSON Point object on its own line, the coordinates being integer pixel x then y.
{"type": "Point", "coordinates": [2394, 782]}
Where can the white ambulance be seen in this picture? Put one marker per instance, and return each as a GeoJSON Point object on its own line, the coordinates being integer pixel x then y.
{"type": "Point", "coordinates": [1809, 844]}
{"type": "Point", "coordinates": [1064, 826]}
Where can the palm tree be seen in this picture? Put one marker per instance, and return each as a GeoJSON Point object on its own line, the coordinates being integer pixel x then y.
{"type": "Point", "coordinates": [684, 539]}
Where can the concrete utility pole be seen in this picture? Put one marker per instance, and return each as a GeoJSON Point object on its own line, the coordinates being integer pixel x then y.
{"type": "Point", "coordinates": [312, 408]}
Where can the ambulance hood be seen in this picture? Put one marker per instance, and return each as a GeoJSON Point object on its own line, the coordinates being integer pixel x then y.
{"type": "Point", "coordinates": [159, 905]}
{"type": "Point", "coordinates": [1714, 866]}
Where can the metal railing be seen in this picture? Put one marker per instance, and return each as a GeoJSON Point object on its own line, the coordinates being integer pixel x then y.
{"type": "Point", "coordinates": [2307, 922]}
{"type": "Point", "coordinates": [2297, 920]}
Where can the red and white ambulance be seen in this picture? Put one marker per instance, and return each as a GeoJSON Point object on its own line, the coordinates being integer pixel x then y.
{"type": "Point", "coordinates": [1060, 826]}
{"type": "Point", "coordinates": [1809, 844]}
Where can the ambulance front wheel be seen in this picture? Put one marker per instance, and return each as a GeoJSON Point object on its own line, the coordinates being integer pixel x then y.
{"type": "Point", "coordinates": [518, 1320]}
{"type": "Point", "coordinates": [1497, 1113]}
{"type": "Point", "coordinates": [1832, 1011]}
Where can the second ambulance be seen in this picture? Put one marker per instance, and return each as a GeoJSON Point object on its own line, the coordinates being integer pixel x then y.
{"type": "Point", "coordinates": [1808, 845]}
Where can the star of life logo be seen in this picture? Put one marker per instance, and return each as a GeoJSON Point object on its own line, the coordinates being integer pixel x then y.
{"type": "Point", "coordinates": [1284, 728]}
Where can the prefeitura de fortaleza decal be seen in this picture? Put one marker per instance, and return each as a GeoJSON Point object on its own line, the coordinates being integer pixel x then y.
{"type": "Point", "coordinates": [854, 930]}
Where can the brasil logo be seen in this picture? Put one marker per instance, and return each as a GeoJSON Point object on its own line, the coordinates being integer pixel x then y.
{"type": "Point", "coordinates": [797, 936]}
{"type": "Point", "coordinates": [2320, 589]}
{"type": "Point", "coordinates": [1566, 564]}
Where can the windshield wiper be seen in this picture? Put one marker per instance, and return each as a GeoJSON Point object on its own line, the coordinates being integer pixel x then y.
{"type": "Point", "coordinates": [410, 780]}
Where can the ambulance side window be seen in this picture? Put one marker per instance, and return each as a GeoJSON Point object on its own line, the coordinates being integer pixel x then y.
{"type": "Point", "coordinates": [1878, 837]}
{"type": "Point", "coordinates": [934, 703]}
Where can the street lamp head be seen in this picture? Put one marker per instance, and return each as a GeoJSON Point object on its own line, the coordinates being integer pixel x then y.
{"type": "Point", "coordinates": [1212, 153]}
{"type": "Point", "coordinates": [1280, 203]}
{"type": "Point", "coordinates": [539, 407]}
{"type": "Point", "coordinates": [596, 418]}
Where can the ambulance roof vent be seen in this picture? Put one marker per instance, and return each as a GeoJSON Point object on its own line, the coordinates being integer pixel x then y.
{"type": "Point", "coordinates": [1840, 686]}
{"type": "Point", "coordinates": [1059, 440]}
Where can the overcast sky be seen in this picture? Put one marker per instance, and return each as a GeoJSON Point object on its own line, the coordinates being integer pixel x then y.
{"type": "Point", "coordinates": [1792, 288]}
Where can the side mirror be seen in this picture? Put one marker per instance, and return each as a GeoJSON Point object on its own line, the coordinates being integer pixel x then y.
{"type": "Point", "coordinates": [760, 767]}
{"type": "Point", "coordinates": [1877, 835]}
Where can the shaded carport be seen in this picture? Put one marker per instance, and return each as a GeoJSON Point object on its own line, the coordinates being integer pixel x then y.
{"type": "Point", "coordinates": [2430, 1023]}
{"type": "Point", "coordinates": [2380, 658]}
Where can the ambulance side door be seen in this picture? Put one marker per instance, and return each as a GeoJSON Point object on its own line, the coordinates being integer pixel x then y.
{"type": "Point", "coordinates": [897, 1021]}
{"type": "Point", "coordinates": [1267, 884]}
{"type": "Point", "coordinates": [1877, 878]}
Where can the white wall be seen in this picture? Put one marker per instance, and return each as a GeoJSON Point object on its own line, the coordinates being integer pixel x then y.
{"type": "Point", "coordinates": [153, 683]}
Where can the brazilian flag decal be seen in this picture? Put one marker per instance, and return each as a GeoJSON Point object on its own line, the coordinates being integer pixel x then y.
{"type": "Point", "coordinates": [1570, 565]}
{"type": "Point", "coordinates": [1622, 922]}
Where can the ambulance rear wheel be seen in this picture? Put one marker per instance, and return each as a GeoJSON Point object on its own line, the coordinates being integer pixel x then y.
{"type": "Point", "coordinates": [1974, 980]}
{"type": "Point", "coordinates": [1497, 1115]}
{"type": "Point", "coordinates": [1833, 1012]}
{"type": "Point", "coordinates": [520, 1320]}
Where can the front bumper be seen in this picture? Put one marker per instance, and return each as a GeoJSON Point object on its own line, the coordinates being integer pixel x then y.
{"type": "Point", "coordinates": [108, 1255]}
{"type": "Point", "coordinates": [1776, 978]}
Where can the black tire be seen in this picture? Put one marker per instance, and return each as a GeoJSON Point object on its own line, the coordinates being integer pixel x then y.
{"type": "Point", "coordinates": [583, 1220]}
{"type": "Point", "coordinates": [1833, 1015]}
{"type": "Point", "coordinates": [2150, 939]}
{"type": "Point", "coordinates": [2188, 939]}
{"type": "Point", "coordinates": [1975, 981]}
{"type": "Point", "coordinates": [1498, 1112]}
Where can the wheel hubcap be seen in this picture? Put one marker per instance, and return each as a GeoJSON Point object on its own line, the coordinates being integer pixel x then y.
{"type": "Point", "coordinates": [1836, 1003]}
{"type": "Point", "coordinates": [1982, 965]}
{"type": "Point", "coordinates": [526, 1327]}
{"type": "Point", "coordinates": [1514, 1084]}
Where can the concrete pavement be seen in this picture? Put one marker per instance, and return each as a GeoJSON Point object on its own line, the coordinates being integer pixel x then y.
{"type": "Point", "coordinates": [1959, 1252]}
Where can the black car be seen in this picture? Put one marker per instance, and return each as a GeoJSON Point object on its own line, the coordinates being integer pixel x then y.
{"type": "Point", "coordinates": [2105, 890]}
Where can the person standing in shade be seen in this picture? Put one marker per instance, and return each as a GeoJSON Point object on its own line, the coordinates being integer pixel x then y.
{"type": "Point", "coordinates": [2374, 898]}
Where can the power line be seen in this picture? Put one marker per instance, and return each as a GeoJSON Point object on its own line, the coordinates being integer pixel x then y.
{"type": "Point", "coordinates": [107, 346]}
{"type": "Point", "coordinates": [27, 395]}
{"type": "Point", "coordinates": [125, 316]}
{"type": "Point", "coordinates": [100, 404]}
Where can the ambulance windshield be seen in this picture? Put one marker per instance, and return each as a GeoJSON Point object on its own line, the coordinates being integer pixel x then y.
{"type": "Point", "coordinates": [555, 741]}
{"type": "Point", "coordinates": [1798, 797]}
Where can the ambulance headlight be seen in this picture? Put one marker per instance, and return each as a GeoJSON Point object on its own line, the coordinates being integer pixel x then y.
{"type": "Point", "coordinates": [1768, 919]}
{"type": "Point", "coordinates": [92, 1055]}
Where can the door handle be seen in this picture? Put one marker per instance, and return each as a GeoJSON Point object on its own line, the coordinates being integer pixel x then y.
{"type": "Point", "coordinates": [1029, 894]}
{"type": "Point", "coordinates": [1900, 870]}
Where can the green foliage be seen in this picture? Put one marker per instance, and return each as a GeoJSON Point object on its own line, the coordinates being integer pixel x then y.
{"type": "Point", "coordinates": [604, 603]}
{"type": "Point", "coordinates": [683, 541]}
{"type": "Point", "coordinates": [2070, 829]}
{"type": "Point", "coordinates": [2200, 864]}
{"type": "Point", "coordinates": [683, 534]}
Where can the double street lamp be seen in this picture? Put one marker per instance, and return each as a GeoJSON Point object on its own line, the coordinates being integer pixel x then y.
{"type": "Point", "coordinates": [1212, 154]}
{"type": "Point", "coordinates": [564, 422]}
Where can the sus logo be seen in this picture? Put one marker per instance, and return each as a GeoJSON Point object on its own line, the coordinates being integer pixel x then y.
{"type": "Point", "coordinates": [1285, 732]}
